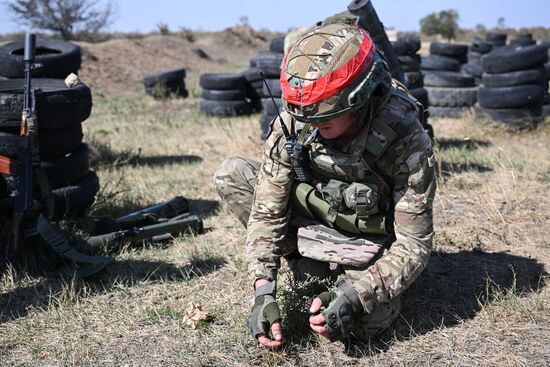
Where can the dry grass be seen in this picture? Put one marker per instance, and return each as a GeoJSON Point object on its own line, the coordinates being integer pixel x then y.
{"type": "Point", "coordinates": [483, 300]}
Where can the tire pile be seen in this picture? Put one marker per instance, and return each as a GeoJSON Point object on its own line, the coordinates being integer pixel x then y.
{"type": "Point", "coordinates": [523, 39]}
{"type": "Point", "coordinates": [224, 95]}
{"type": "Point", "coordinates": [496, 39]}
{"type": "Point", "coordinates": [406, 48]}
{"type": "Point", "coordinates": [166, 84]}
{"type": "Point", "coordinates": [269, 64]}
{"type": "Point", "coordinates": [450, 92]}
{"type": "Point", "coordinates": [60, 110]}
{"type": "Point", "coordinates": [513, 86]}
{"type": "Point", "coordinates": [476, 50]}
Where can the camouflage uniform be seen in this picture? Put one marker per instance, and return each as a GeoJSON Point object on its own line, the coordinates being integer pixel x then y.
{"type": "Point", "coordinates": [392, 150]}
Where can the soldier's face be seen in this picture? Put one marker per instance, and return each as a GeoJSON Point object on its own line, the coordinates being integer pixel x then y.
{"type": "Point", "coordinates": [337, 127]}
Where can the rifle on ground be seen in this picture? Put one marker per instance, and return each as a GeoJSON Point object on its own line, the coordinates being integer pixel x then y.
{"type": "Point", "coordinates": [184, 223]}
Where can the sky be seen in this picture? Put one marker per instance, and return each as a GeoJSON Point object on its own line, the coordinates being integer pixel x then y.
{"type": "Point", "coordinates": [281, 15]}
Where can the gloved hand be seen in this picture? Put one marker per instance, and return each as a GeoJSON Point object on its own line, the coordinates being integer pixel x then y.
{"type": "Point", "coordinates": [339, 311]}
{"type": "Point", "coordinates": [266, 316]}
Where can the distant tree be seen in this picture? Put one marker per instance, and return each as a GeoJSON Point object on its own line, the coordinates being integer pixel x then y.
{"type": "Point", "coordinates": [163, 28]}
{"type": "Point", "coordinates": [68, 18]}
{"type": "Point", "coordinates": [501, 23]}
{"type": "Point", "coordinates": [243, 20]}
{"type": "Point", "coordinates": [444, 23]}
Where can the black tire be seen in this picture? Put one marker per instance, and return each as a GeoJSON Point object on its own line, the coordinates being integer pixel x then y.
{"type": "Point", "coordinates": [66, 170]}
{"type": "Point", "coordinates": [452, 97]}
{"type": "Point", "coordinates": [474, 70]}
{"type": "Point", "coordinates": [448, 49]}
{"type": "Point", "coordinates": [437, 62]}
{"type": "Point", "coordinates": [421, 96]}
{"type": "Point", "coordinates": [59, 142]}
{"type": "Point", "coordinates": [530, 76]}
{"type": "Point", "coordinates": [512, 58]}
{"type": "Point", "coordinates": [265, 122]}
{"type": "Point", "coordinates": [274, 87]}
{"type": "Point", "coordinates": [474, 57]}
{"type": "Point", "coordinates": [164, 77]}
{"type": "Point", "coordinates": [547, 71]}
{"type": "Point", "coordinates": [52, 143]}
{"type": "Point", "coordinates": [409, 63]}
{"type": "Point", "coordinates": [58, 59]}
{"type": "Point", "coordinates": [222, 81]}
{"type": "Point", "coordinates": [270, 63]}
{"type": "Point", "coordinates": [545, 110]}
{"type": "Point", "coordinates": [270, 108]}
{"type": "Point", "coordinates": [452, 112]}
{"type": "Point", "coordinates": [252, 75]}
{"type": "Point", "coordinates": [479, 46]}
{"type": "Point", "coordinates": [496, 37]}
{"type": "Point", "coordinates": [448, 79]}
{"type": "Point", "coordinates": [74, 200]}
{"type": "Point", "coordinates": [415, 79]}
{"type": "Point", "coordinates": [170, 89]}
{"type": "Point", "coordinates": [510, 97]}
{"type": "Point", "coordinates": [522, 42]}
{"type": "Point", "coordinates": [408, 44]}
{"type": "Point", "coordinates": [225, 108]}
{"type": "Point", "coordinates": [57, 105]}
{"type": "Point", "coordinates": [512, 118]}
{"type": "Point", "coordinates": [277, 45]}
{"type": "Point", "coordinates": [223, 95]}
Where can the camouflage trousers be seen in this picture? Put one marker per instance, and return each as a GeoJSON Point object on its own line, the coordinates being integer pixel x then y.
{"type": "Point", "coordinates": [235, 180]}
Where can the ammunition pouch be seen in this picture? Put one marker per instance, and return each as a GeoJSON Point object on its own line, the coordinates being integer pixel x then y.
{"type": "Point", "coordinates": [308, 202]}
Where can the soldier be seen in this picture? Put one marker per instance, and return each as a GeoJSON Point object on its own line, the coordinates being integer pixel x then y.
{"type": "Point", "coordinates": [347, 179]}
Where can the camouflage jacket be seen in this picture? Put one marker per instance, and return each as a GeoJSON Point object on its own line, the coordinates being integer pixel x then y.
{"type": "Point", "coordinates": [402, 160]}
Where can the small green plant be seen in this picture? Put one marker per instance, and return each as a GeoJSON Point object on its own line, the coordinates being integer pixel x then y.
{"type": "Point", "coordinates": [294, 299]}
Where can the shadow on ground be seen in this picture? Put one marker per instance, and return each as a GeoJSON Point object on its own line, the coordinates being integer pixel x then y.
{"type": "Point", "coordinates": [452, 289]}
{"type": "Point", "coordinates": [447, 169]}
{"type": "Point", "coordinates": [468, 144]}
{"type": "Point", "coordinates": [102, 154]}
{"type": "Point", "coordinates": [18, 302]}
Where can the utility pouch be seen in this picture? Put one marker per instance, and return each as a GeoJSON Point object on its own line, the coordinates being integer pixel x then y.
{"type": "Point", "coordinates": [362, 198]}
{"type": "Point", "coordinates": [325, 244]}
{"type": "Point", "coordinates": [307, 201]}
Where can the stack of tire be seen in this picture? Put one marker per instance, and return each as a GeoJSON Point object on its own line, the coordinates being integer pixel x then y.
{"type": "Point", "coordinates": [523, 39]}
{"type": "Point", "coordinates": [224, 95]}
{"type": "Point", "coordinates": [477, 48]}
{"type": "Point", "coordinates": [166, 84]}
{"type": "Point", "coordinates": [406, 47]}
{"type": "Point", "coordinates": [513, 85]}
{"type": "Point", "coordinates": [496, 39]}
{"type": "Point", "coordinates": [450, 92]}
{"type": "Point", "coordinates": [254, 86]}
{"type": "Point", "coordinates": [269, 64]}
{"type": "Point", "coordinates": [60, 110]}
{"type": "Point", "coordinates": [546, 100]}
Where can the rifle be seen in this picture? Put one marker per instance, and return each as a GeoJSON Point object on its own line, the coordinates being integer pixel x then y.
{"type": "Point", "coordinates": [155, 232]}
{"type": "Point", "coordinates": [21, 169]}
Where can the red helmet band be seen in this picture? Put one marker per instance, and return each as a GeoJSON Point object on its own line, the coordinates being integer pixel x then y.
{"type": "Point", "coordinates": [329, 84]}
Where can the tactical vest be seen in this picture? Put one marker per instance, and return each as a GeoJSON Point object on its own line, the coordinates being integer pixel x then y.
{"type": "Point", "coordinates": [357, 164]}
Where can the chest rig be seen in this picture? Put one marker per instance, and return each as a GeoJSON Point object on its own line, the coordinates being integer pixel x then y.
{"type": "Point", "coordinates": [353, 165]}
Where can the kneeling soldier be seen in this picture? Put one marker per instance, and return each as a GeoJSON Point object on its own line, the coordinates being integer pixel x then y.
{"type": "Point", "coordinates": [347, 178]}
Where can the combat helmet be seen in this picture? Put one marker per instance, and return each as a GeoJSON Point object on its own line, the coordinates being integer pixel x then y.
{"type": "Point", "coordinates": [331, 70]}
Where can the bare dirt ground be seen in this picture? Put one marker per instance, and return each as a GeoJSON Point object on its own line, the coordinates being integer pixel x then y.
{"type": "Point", "coordinates": [482, 301]}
